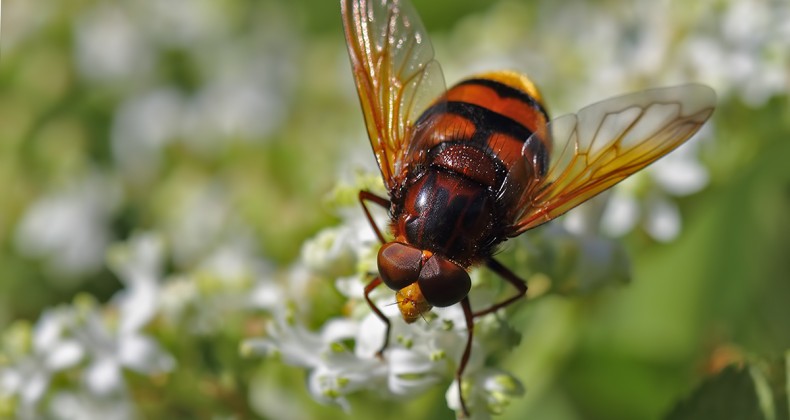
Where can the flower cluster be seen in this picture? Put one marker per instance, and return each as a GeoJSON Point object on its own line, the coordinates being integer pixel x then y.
{"type": "Point", "coordinates": [101, 344]}
{"type": "Point", "coordinates": [342, 356]}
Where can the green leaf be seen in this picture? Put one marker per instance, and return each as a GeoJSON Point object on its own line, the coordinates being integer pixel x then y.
{"type": "Point", "coordinates": [758, 390]}
{"type": "Point", "coordinates": [729, 395]}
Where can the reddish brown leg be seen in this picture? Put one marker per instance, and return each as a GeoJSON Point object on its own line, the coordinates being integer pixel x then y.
{"type": "Point", "coordinates": [511, 278]}
{"type": "Point", "coordinates": [470, 327]}
{"type": "Point", "coordinates": [369, 288]}
{"type": "Point", "coordinates": [383, 202]}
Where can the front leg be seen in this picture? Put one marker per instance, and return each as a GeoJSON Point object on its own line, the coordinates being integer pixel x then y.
{"type": "Point", "coordinates": [470, 327]}
{"type": "Point", "coordinates": [369, 288]}
{"type": "Point", "coordinates": [383, 202]}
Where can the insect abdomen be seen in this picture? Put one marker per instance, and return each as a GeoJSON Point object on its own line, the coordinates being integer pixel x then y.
{"type": "Point", "coordinates": [495, 113]}
{"type": "Point", "coordinates": [473, 143]}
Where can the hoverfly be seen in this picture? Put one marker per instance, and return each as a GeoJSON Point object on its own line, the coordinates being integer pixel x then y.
{"type": "Point", "coordinates": [468, 167]}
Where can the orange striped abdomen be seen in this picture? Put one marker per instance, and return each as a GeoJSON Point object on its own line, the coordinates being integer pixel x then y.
{"type": "Point", "coordinates": [495, 113]}
{"type": "Point", "coordinates": [468, 163]}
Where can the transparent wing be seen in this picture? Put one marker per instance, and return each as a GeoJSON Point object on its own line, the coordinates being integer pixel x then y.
{"type": "Point", "coordinates": [396, 75]}
{"type": "Point", "coordinates": [608, 141]}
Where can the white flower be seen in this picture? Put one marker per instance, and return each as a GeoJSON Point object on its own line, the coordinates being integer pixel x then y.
{"type": "Point", "coordinates": [334, 371]}
{"type": "Point", "coordinates": [143, 125]}
{"type": "Point", "coordinates": [52, 351]}
{"type": "Point", "coordinates": [84, 406]}
{"type": "Point", "coordinates": [197, 222]}
{"type": "Point", "coordinates": [183, 23]}
{"type": "Point", "coordinates": [646, 196]}
{"type": "Point", "coordinates": [112, 348]}
{"type": "Point", "coordinates": [224, 283]}
{"type": "Point", "coordinates": [70, 227]}
{"type": "Point", "coordinates": [109, 45]}
{"type": "Point", "coordinates": [332, 252]}
{"type": "Point", "coordinates": [490, 388]}
{"type": "Point", "coordinates": [137, 264]}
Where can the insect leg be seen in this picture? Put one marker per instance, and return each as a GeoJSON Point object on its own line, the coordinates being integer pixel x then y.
{"type": "Point", "coordinates": [470, 327]}
{"type": "Point", "coordinates": [369, 288]}
{"type": "Point", "coordinates": [511, 278]}
{"type": "Point", "coordinates": [383, 202]}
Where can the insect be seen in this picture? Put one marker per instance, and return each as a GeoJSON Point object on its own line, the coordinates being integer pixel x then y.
{"type": "Point", "coordinates": [468, 167]}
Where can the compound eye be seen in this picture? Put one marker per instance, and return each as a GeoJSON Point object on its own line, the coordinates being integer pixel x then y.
{"type": "Point", "coordinates": [399, 265]}
{"type": "Point", "coordinates": [443, 282]}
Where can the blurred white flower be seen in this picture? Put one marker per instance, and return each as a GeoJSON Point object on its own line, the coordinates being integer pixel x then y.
{"type": "Point", "coordinates": [198, 220]}
{"type": "Point", "coordinates": [183, 23]}
{"type": "Point", "coordinates": [332, 252]}
{"type": "Point", "coordinates": [570, 256]}
{"type": "Point", "coordinates": [224, 282]}
{"type": "Point", "coordinates": [180, 295]}
{"type": "Point", "coordinates": [242, 107]}
{"type": "Point", "coordinates": [489, 388]}
{"type": "Point", "coordinates": [70, 228]}
{"type": "Point", "coordinates": [143, 125]}
{"type": "Point", "coordinates": [52, 350]}
{"type": "Point", "coordinates": [112, 348]}
{"type": "Point", "coordinates": [110, 46]}
{"type": "Point", "coordinates": [83, 406]}
{"type": "Point", "coordinates": [137, 263]}
{"type": "Point", "coordinates": [646, 196]}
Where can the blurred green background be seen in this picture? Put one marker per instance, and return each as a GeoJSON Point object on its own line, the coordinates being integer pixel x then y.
{"type": "Point", "coordinates": [206, 119]}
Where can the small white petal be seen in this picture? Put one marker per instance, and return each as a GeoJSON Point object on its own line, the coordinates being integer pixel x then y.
{"type": "Point", "coordinates": [267, 295]}
{"type": "Point", "coordinates": [34, 386]}
{"type": "Point", "coordinates": [370, 337]}
{"type": "Point", "coordinates": [71, 405]}
{"type": "Point", "coordinates": [323, 386]}
{"type": "Point", "coordinates": [10, 381]}
{"type": "Point", "coordinates": [339, 329]}
{"type": "Point", "coordinates": [143, 354]}
{"type": "Point", "coordinates": [297, 345]}
{"type": "Point", "coordinates": [620, 216]}
{"type": "Point", "coordinates": [257, 346]}
{"type": "Point", "coordinates": [332, 252]}
{"type": "Point", "coordinates": [411, 372]}
{"type": "Point", "coordinates": [69, 226]}
{"type": "Point", "coordinates": [109, 46]}
{"type": "Point", "coordinates": [351, 287]}
{"type": "Point", "coordinates": [48, 329]}
{"type": "Point", "coordinates": [138, 304]}
{"type": "Point", "coordinates": [65, 354]}
{"type": "Point", "coordinates": [663, 220]}
{"type": "Point", "coordinates": [103, 376]}
{"type": "Point", "coordinates": [574, 222]}
{"type": "Point", "coordinates": [680, 176]}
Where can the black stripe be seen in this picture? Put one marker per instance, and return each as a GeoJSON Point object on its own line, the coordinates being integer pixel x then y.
{"type": "Point", "coordinates": [487, 122]}
{"type": "Point", "coordinates": [505, 91]}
